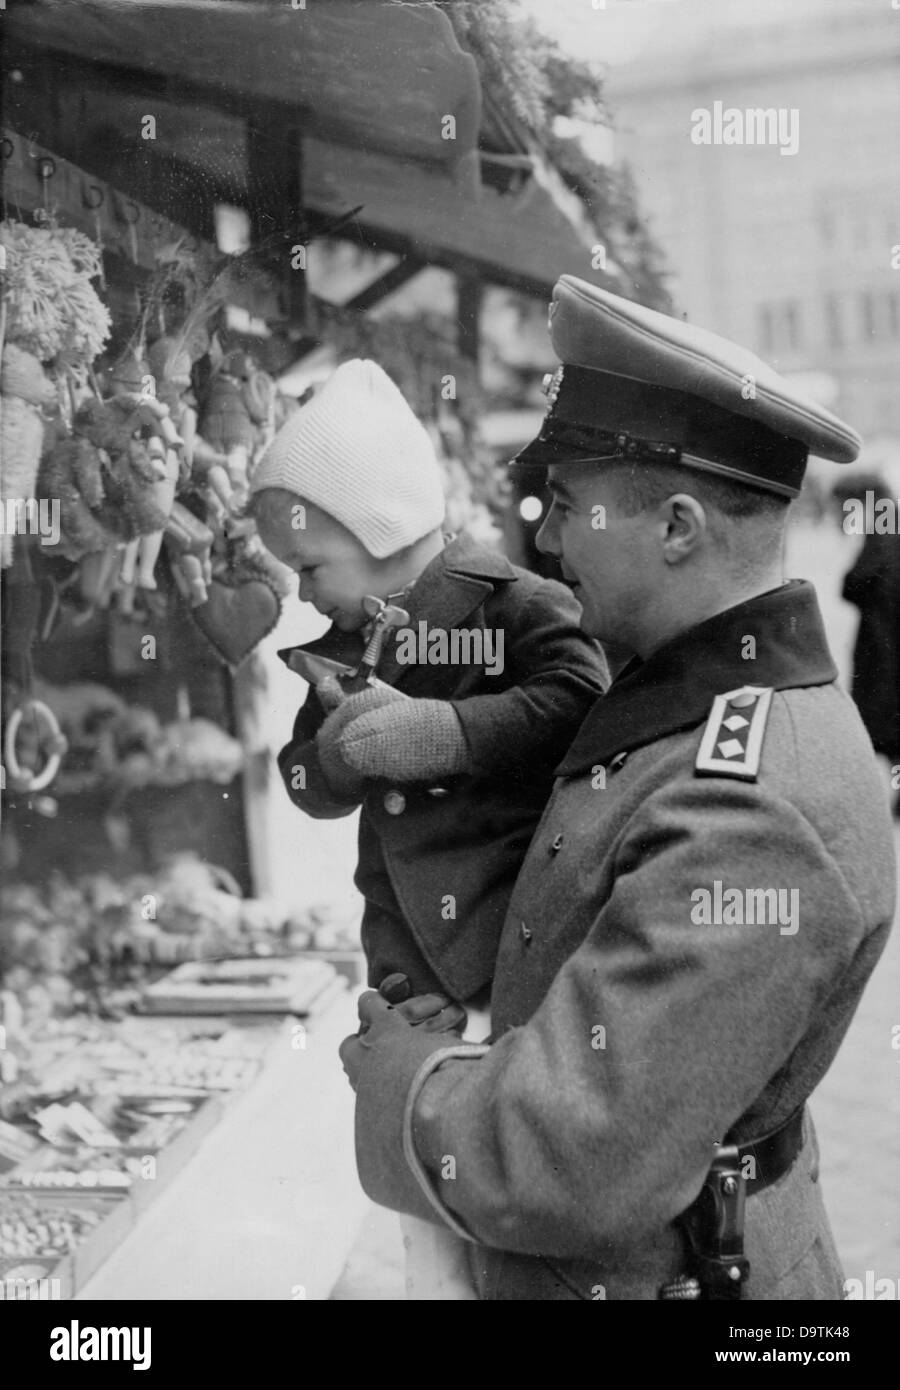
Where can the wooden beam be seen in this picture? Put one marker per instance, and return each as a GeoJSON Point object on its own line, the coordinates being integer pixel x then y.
{"type": "Point", "coordinates": [279, 228]}
{"type": "Point", "coordinates": [524, 240]}
{"type": "Point", "coordinates": [386, 284]}
{"type": "Point", "coordinates": [469, 294]}
{"type": "Point", "coordinates": [123, 225]}
{"type": "Point", "coordinates": [377, 238]}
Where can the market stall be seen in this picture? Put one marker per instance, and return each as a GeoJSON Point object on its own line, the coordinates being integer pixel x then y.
{"type": "Point", "coordinates": [167, 922]}
{"type": "Point", "coordinates": [143, 985]}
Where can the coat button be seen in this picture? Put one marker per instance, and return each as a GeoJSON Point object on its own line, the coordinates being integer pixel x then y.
{"type": "Point", "coordinates": [394, 803]}
{"type": "Point", "coordinates": [557, 844]}
{"type": "Point", "coordinates": [525, 932]}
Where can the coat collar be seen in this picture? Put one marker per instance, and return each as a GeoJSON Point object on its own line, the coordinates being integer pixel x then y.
{"type": "Point", "coordinates": [674, 688]}
{"type": "Point", "coordinates": [446, 593]}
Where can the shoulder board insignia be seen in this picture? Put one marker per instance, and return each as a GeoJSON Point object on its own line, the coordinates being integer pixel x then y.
{"type": "Point", "coordinates": [732, 741]}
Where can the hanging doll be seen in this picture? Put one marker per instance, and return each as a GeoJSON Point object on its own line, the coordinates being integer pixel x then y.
{"type": "Point", "coordinates": [25, 390]}
{"type": "Point", "coordinates": [236, 407]}
{"type": "Point", "coordinates": [52, 314]}
{"type": "Point", "coordinates": [105, 475]}
{"type": "Point", "coordinates": [132, 378]}
{"type": "Point", "coordinates": [170, 365]}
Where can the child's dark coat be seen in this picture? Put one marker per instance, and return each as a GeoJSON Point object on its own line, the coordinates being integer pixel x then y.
{"type": "Point", "coordinates": [437, 861]}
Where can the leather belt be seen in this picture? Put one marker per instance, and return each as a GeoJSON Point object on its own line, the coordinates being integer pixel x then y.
{"type": "Point", "coordinates": [772, 1155]}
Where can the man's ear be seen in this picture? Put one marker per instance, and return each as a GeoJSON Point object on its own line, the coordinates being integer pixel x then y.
{"type": "Point", "coordinates": [686, 526]}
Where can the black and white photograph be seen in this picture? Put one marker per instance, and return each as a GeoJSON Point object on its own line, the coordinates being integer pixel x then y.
{"type": "Point", "coordinates": [450, 673]}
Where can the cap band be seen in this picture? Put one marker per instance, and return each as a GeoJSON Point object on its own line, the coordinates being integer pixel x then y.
{"type": "Point", "coordinates": [663, 426]}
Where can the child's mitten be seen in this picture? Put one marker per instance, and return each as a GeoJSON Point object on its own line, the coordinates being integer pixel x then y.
{"type": "Point", "coordinates": [411, 742]}
{"type": "Point", "coordinates": [345, 781]}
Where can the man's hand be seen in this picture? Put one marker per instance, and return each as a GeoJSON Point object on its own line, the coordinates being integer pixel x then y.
{"type": "Point", "coordinates": [378, 1019]}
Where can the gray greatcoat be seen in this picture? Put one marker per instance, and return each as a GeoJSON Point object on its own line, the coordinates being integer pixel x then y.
{"type": "Point", "coordinates": [629, 1040]}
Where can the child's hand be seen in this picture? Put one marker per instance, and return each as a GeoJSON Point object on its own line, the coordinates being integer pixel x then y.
{"type": "Point", "coordinates": [345, 780]}
{"type": "Point", "coordinates": [410, 742]}
{"type": "Point", "coordinates": [380, 1023]}
{"type": "Point", "coordinates": [437, 1012]}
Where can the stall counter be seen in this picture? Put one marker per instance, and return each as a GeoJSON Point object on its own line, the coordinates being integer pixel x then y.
{"type": "Point", "coordinates": [269, 1206]}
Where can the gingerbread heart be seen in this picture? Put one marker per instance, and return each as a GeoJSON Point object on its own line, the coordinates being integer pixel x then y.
{"type": "Point", "coordinates": [237, 616]}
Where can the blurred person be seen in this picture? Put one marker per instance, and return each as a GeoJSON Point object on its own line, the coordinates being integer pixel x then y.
{"type": "Point", "coordinates": [873, 586]}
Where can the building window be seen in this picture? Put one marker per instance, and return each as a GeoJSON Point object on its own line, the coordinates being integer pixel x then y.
{"type": "Point", "coordinates": [780, 327]}
{"type": "Point", "coordinates": [867, 314]}
{"type": "Point", "coordinates": [826, 227]}
{"type": "Point", "coordinates": [834, 321]}
{"type": "Point", "coordinates": [792, 324]}
{"type": "Point", "coordinates": [892, 314]}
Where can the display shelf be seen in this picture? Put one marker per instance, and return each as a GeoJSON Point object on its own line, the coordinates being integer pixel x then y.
{"type": "Point", "coordinates": [271, 1202]}
{"type": "Point", "coordinates": [122, 1209]}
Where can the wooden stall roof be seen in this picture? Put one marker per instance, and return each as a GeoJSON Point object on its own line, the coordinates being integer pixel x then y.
{"type": "Point", "coordinates": [371, 81]}
{"type": "Point", "coordinates": [376, 74]}
{"type": "Point", "coordinates": [524, 240]}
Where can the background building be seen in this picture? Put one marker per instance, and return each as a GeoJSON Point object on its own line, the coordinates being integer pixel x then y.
{"type": "Point", "coordinates": [794, 254]}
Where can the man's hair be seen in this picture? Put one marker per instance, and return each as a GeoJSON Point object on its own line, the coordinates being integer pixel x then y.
{"type": "Point", "coordinates": [641, 486]}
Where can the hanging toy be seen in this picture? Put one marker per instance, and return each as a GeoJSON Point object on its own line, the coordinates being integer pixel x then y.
{"type": "Point", "coordinates": [189, 545]}
{"type": "Point", "coordinates": [170, 369]}
{"type": "Point", "coordinates": [251, 551]}
{"type": "Point", "coordinates": [105, 474]}
{"type": "Point", "coordinates": [141, 555]}
{"type": "Point", "coordinates": [260, 397]}
{"type": "Point", "coordinates": [129, 378]}
{"type": "Point", "coordinates": [25, 390]}
{"type": "Point", "coordinates": [170, 365]}
{"type": "Point", "coordinates": [53, 310]}
{"type": "Point", "coordinates": [97, 579]}
{"type": "Point", "coordinates": [54, 745]}
{"type": "Point", "coordinates": [228, 425]}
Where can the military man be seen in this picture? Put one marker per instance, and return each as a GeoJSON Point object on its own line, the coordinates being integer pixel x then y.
{"type": "Point", "coordinates": [707, 893]}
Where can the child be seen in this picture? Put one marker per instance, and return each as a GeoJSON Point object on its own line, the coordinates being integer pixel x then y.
{"type": "Point", "coordinates": [488, 682]}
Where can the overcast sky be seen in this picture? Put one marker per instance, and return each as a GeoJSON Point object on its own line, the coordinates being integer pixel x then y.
{"type": "Point", "coordinates": [623, 29]}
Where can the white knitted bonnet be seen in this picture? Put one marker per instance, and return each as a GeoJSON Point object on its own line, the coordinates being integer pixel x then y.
{"type": "Point", "coordinates": [357, 451]}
